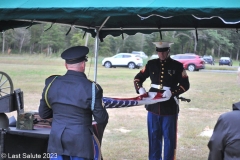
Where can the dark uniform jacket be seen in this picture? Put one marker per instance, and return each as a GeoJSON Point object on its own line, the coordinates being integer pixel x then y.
{"type": "Point", "coordinates": [225, 141]}
{"type": "Point", "coordinates": [168, 73]}
{"type": "Point", "coordinates": [70, 99]}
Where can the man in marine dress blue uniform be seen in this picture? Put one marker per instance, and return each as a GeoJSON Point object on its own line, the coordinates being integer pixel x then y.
{"type": "Point", "coordinates": [68, 100]}
{"type": "Point", "coordinates": [168, 77]}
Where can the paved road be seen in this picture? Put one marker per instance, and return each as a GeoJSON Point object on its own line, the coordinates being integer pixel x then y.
{"type": "Point", "coordinates": [219, 71]}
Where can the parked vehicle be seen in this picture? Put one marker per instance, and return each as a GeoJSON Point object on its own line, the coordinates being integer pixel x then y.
{"type": "Point", "coordinates": [191, 62]}
{"type": "Point", "coordinates": [140, 53]}
{"type": "Point", "coordinates": [123, 60]}
{"type": "Point", "coordinates": [209, 59]}
{"type": "Point", "coordinates": [225, 61]}
{"type": "Point", "coordinates": [154, 56]}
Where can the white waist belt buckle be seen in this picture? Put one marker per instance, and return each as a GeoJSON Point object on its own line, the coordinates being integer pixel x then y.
{"type": "Point", "coordinates": [157, 86]}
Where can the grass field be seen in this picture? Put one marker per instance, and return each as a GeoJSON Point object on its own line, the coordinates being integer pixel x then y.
{"type": "Point", "coordinates": [125, 137]}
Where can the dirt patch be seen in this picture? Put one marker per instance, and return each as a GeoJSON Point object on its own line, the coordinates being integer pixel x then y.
{"type": "Point", "coordinates": [123, 130]}
{"type": "Point", "coordinates": [207, 132]}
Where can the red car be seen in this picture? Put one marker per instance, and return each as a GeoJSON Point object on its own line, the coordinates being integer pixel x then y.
{"type": "Point", "coordinates": [191, 62]}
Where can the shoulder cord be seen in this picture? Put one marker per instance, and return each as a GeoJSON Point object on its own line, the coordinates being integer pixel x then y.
{"type": "Point", "coordinates": [45, 96]}
{"type": "Point", "coordinates": [93, 96]}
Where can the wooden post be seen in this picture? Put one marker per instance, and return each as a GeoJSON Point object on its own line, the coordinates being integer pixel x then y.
{"type": "Point", "coordinates": [3, 43]}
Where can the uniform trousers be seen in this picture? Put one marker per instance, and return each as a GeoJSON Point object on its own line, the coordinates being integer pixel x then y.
{"type": "Point", "coordinates": [162, 130]}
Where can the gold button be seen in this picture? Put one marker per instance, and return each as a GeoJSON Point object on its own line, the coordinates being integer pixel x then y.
{"type": "Point", "coordinates": [161, 76]}
{"type": "Point", "coordinates": [162, 68]}
{"type": "Point", "coordinates": [161, 81]}
{"type": "Point", "coordinates": [162, 72]}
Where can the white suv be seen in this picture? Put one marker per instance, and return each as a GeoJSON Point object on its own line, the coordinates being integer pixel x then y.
{"type": "Point", "coordinates": [123, 60]}
{"type": "Point", "coordinates": [140, 53]}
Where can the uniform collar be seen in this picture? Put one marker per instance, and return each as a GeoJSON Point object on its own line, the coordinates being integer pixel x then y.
{"type": "Point", "coordinates": [165, 61]}
{"type": "Point", "coordinates": [76, 73]}
{"type": "Point", "coordinates": [236, 106]}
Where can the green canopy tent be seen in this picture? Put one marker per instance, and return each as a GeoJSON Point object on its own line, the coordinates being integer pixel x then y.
{"type": "Point", "coordinates": [11, 24]}
{"type": "Point", "coordinates": [102, 18]}
{"type": "Point", "coordinates": [127, 16]}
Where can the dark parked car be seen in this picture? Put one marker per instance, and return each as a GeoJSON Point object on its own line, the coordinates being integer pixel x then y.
{"type": "Point", "coordinates": [225, 61]}
{"type": "Point", "coordinates": [209, 59]}
{"type": "Point", "coordinates": [191, 62]}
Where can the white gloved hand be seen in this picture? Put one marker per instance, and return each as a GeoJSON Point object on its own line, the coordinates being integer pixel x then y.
{"type": "Point", "coordinates": [142, 91]}
{"type": "Point", "coordinates": [151, 95]}
{"type": "Point", "coordinates": [167, 94]}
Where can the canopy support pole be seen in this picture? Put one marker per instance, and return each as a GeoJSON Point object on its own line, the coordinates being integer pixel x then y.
{"type": "Point", "coordinates": [96, 54]}
{"type": "Point", "coordinates": [96, 47]}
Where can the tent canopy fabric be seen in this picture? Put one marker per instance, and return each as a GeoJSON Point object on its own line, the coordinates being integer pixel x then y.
{"type": "Point", "coordinates": [11, 24]}
{"type": "Point", "coordinates": [126, 16]}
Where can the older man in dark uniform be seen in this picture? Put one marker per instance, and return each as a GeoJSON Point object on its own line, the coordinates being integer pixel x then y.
{"type": "Point", "coordinates": [71, 100]}
{"type": "Point", "coordinates": [225, 141]}
{"type": "Point", "coordinates": [168, 77]}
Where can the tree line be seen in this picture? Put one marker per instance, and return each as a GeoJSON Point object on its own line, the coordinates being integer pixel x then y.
{"type": "Point", "coordinates": [53, 39]}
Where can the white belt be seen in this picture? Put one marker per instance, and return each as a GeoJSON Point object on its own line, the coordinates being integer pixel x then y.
{"type": "Point", "coordinates": [157, 86]}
